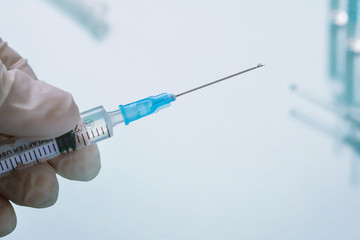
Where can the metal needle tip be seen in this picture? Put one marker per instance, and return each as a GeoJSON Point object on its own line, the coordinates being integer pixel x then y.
{"type": "Point", "coordinates": [220, 80]}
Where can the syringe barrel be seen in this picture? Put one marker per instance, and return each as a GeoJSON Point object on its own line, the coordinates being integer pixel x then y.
{"type": "Point", "coordinates": [95, 125]}
{"type": "Point", "coordinates": [16, 154]}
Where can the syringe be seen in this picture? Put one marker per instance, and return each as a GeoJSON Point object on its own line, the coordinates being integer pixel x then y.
{"type": "Point", "coordinates": [96, 125]}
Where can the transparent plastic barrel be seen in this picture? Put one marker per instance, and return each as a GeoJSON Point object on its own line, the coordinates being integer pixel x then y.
{"type": "Point", "coordinates": [17, 154]}
{"type": "Point", "coordinates": [94, 127]}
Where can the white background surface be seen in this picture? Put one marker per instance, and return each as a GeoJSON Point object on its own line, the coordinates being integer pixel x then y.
{"type": "Point", "coordinates": [225, 163]}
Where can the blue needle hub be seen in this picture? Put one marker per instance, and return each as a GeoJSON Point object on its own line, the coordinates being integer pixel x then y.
{"type": "Point", "coordinates": [142, 108]}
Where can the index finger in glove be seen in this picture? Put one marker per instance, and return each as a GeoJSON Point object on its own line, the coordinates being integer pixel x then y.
{"type": "Point", "coordinates": [33, 108]}
{"type": "Point", "coordinates": [12, 60]}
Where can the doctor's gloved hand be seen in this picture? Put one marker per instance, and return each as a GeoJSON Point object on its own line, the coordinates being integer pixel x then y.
{"type": "Point", "coordinates": [34, 109]}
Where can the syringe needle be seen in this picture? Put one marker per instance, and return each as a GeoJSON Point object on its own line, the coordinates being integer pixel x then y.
{"type": "Point", "coordinates": [220, 80]}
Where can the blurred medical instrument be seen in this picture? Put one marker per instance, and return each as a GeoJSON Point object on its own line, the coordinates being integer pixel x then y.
{"type": "Point", "coordinates": [344, 62]}
{"type": "Point", "coordinates": [344, 71]}
{"type": "Point", "coordinates": [344, 127]}
{"type": "Point", "coordinates": [351, 139]}
{"type": "Point", "coordinates": [348, 117]}
{"type": "Point", "coordinates": [344, 50]}
{"type": "Point", "coordinates": [337, 47]}
{"type": "Point", "coordinates": [96, 125]}
{"type": "Point", "coordinates": [346, 113]}
{"type": "Point", "coordinates": [88, 13]}
{"type": "Point", "coordinates": [352, 77]}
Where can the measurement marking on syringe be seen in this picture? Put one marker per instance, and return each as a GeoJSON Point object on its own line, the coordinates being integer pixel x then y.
{"type": "Point", "coordinates": [26, 160]}
{"type": "Point", "coordinates": [49, 148]}
{"type": "Point", "coordinates": [82, 135]}
{"type": "Point", "coordinates": [37, 160]}
{"type": "Point", "coordinates": [77, 136]}
{"type": "Point", "coordinates": [87, 135]}
{"type": "Point", "coordinates": [21, 159]}
{"type": "Point", "coordinates": [44, 150]}
{"type": "Point", "coordinates": [30, 156]}
{"type": "Point", "coordinates": [2, 167]}
{"type": "Point", "coordinates": [39, 152]}
{"type": "Point", "coordinates": [54, 147]}
{"type": "Point", "coordinates": [108, 130]}
{"type": "Point", "coordinates": [7, 166]}
{"type": "Point", "coordinates": [98, 132]}
{"type": "Point", "coordinates": [12, 165]}
{"type": "Point", "coordinates": [102, 130]}
{"type": "Point", "coordinates": [92, 133]}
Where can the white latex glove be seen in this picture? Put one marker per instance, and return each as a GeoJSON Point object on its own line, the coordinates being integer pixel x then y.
{"type": "Point", "coordinates": [32, 108]}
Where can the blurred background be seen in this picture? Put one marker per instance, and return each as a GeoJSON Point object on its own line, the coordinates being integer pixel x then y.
{"type": "Point", "coordinates": [246, 159]}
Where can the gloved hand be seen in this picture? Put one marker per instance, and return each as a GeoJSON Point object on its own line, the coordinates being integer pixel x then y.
{"type": "Point", "coordinates": [32, 108]}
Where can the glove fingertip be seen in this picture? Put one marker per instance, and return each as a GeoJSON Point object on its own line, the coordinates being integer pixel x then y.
{"type": "Point", "coordinates": [8, 219]}
{"type": "Point", "coordinates": [36, 109]}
